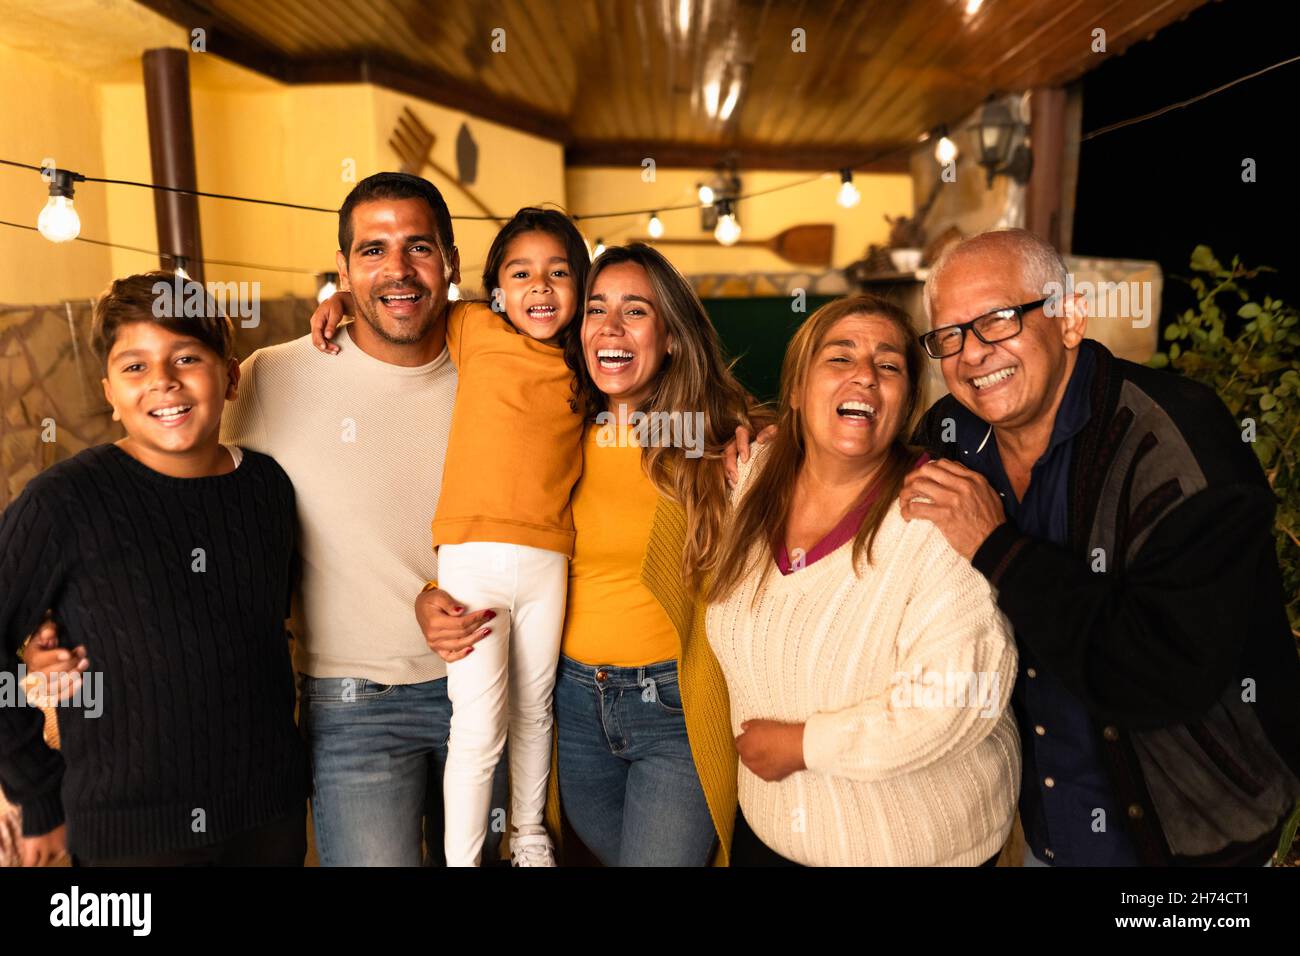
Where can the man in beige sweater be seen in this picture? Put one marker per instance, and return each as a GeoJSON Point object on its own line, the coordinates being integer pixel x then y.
{"type": "Point", "coordinates": [363, 436]}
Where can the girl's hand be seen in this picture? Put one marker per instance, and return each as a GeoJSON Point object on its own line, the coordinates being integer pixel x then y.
{"type": "Point", "coordinates": [325, 320]}
{"type": "Point", "coordinates": [772, 750]}
{"type": "Point", "coordinates": [46, 849]}
{"type": "Point", "coordinates": [46, 662]}
{"type": "Point", "coordinates": [448, 630]}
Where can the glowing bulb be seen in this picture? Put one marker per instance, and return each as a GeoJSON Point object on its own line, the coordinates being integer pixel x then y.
{"type": "Point", "coordinates": [849, 195]}
{"type": "Point", "coordinates": [973, 7]}
{"type": "Point", "coordinates": [946, 151]}
{"type": "Point", "coordinates": [453, 292]}
{"type": "Point", "coordinates": [181, 273]}
{"type": "Point", "coordinates": [58, 221]}
{"type": "Point", "coordinates": [706, 195]}
{"type": "Point", "coordinates": [656, 226]}
{"type": "Point", "coordinates": [727, 231]}
{"type": "Point", "coordinates": [326, 290]}
{"type": "Point", "coordinates": [600, 249]}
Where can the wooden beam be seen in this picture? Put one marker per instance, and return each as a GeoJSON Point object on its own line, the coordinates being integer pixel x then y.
{"type": "Point", "coordinates": [1047, 139]}
{"type": "Point", "coordinates": [745, 156]}
{"type": "Point", "coordinates": [171, 154]}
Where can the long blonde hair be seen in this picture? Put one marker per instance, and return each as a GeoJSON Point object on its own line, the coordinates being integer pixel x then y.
{"type": "Point", "coordinates": [765, 509]}
{"type": "Point", "coordinates": [694, 377]}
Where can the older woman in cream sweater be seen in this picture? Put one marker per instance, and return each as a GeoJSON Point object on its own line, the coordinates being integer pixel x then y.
{"type": "Point", "coordinates": [868, 666]}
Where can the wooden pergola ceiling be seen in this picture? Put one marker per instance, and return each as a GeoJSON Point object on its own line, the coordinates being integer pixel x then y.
{"type": "Point", "coordinates": [687, 81]}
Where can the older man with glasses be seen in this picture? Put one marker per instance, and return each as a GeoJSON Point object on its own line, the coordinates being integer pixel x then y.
{"type": "Point", "coordinates": [1127, 531]}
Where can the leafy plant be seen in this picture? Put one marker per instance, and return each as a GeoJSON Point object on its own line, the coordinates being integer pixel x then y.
{"type": "Point", "coordinates": [1249, 352]}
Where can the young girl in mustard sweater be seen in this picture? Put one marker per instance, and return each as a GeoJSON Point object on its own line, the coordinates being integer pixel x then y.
{"type": "Point", "coordinates": [504, 532]}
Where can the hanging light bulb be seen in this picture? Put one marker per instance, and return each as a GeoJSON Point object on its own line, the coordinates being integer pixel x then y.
{"type": "Point", "coordinates": [58, 221]}
{"type": "Point", "coordinates": [727, 231]}
{"type": "Point", "coordinates": [453, 292]}
{"type": "Point", "coordinates": [946, 150]}
{"type": "Point", "coordinates": [599, 250]}
{"type": "Point", "coordinates": [849, 195]}
{"type": "Point", "coordinates": [328, 286]}
{"type": "Point", "coordinates": [180, 268]}
{"type": "Point", "coordinates": [706, 195]}
{"type": "Point", "coordinates": [656, 226]}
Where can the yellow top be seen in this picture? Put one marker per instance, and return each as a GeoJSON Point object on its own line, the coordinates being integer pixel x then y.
{"type": "Point", "coordinates": [704, 690]}
{"type": "Point", "coordinates": [513, 452]}
{"type": "Point", "coordinates": [611, 616]}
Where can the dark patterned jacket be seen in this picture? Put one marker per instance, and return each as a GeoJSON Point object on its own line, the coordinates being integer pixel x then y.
{"type": "Point", "coordinates": [1180, 649]}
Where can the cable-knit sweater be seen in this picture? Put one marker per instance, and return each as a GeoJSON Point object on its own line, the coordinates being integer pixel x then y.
{"type": "Point", "coordinates": [178, 588]}
{"type": "Point", "coordinates": [901, 676]}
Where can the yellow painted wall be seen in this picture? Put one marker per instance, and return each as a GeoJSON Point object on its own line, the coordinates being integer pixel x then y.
{"type": "Point", "coordinates": [514, 170]}
{"type": "Point", "coordinates": [252, 137]}
{"type": "Point", "coordinates": [604, 189]}
{"type": "Point", "coordinates": [48, 112]}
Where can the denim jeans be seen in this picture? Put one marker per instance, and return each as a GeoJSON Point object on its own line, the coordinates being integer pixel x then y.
{"type": "Point", "coordinates": [628, 783]}
{"type": "Point", "coordinates": [377, 755]}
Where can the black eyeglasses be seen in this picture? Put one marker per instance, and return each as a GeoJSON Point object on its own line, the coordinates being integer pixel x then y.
{"type": "Point", "coordinates": [996, 326]}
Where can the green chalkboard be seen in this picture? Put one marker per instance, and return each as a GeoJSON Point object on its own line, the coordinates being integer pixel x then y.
{"type": "Point", "coordinates": [756, 332]}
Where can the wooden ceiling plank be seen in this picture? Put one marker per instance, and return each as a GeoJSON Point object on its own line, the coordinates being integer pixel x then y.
{"type": "Point", "coordinates": [554, 60]}
{"type": "Point", "coordinates": [922, 106]}
{"type": "Point", "coordinates": [270, 24]}
{"type": "Point", "coordinates": [907, 31]}
{"type": "Point", "coordinates": [776, 66]}
{"type": "Point", "coordinates": [1147, 19]}
{"type": "Point", "coordinates": [830, 113]}
{"type": "Point", "coordinates": [805, 69]}
{"type": "Point", "coordinates": [523, 64]}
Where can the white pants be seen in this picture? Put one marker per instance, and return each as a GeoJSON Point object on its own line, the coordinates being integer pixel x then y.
{"type": "Point", "coordinates": [516, 662]}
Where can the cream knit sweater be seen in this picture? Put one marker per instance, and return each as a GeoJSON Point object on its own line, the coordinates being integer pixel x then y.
{"type": "Point", "coordinates": [902, 678]}
{"type": "Point", "coordinates": [364, 444]}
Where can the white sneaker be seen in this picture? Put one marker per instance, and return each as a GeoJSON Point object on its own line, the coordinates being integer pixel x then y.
{"type": "Point", "coordinates": [530, 846]}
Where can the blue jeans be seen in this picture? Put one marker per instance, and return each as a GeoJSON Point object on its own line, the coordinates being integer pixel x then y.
{"type": "Point", "coordinates": [627, 778]}
{"type": "Point", "coordinates": [377, 754]}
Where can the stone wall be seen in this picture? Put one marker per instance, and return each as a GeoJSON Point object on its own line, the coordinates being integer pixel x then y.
{"type": "Point", "coordinates": [50, 390]}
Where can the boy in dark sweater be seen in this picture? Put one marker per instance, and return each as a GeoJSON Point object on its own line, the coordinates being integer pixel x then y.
{"type": "Point", "coordinates": [166, 556]}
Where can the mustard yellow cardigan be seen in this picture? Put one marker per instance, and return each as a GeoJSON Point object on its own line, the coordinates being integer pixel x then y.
{"type": "Point", "coordinates": [703, 688]}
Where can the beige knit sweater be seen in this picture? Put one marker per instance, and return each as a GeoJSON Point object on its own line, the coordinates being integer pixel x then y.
{"type": "Point", "coordinates": [902, 677]}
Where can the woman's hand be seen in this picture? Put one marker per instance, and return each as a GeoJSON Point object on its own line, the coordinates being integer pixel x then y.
{"type": "Point", "coordinates": [325, 320]}
{"type": "Point", "coordinates": [448, 630]}
{"type": "Point", "coordinates": [772, 750]}
{"type": "Point", "coordinates": [46, 662]}
{"type": "Point", "coordinates": [738, 448]}
{"type": "Point", "coordinates": [46, 849]}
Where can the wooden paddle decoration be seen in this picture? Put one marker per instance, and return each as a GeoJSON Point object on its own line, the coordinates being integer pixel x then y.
{"type": "Point", "coordinates": [413, 144]}
{"type": "Point", "coordinates": [808, 245]}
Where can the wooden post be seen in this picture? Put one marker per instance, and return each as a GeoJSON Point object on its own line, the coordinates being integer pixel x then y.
{"type": "Point", "coordinates": [1047, 139]}
{"type": "Point", "coordinates": [171, 153]}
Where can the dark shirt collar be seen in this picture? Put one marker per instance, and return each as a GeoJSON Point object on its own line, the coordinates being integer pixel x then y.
{"type": "Point", "coordinates": [975, 436]}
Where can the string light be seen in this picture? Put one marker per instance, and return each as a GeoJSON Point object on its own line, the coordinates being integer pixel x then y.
{"type": "Point", "coordinates": [655, 227]}
{"type": "Point", "coordinates": [946, 150]}
{"type": "Point", "coordinates": [453, 292]}
{"type": "Point", "coordinates": [180, 269]}
{"type": "Point", "coordinates": [727, 231]}
{"type": "Point", "coordinates": [849, 195]}
{"type": "Point", "coordinates": [706, 195]}
{"type": "Point", "coordinates": [599, 250]}
{"type": "Point", "coordinates": [58, 221]}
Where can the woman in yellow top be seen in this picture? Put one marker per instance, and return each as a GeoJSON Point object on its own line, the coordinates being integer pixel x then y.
{"type": "Point", "coordinates": [646, 767]}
